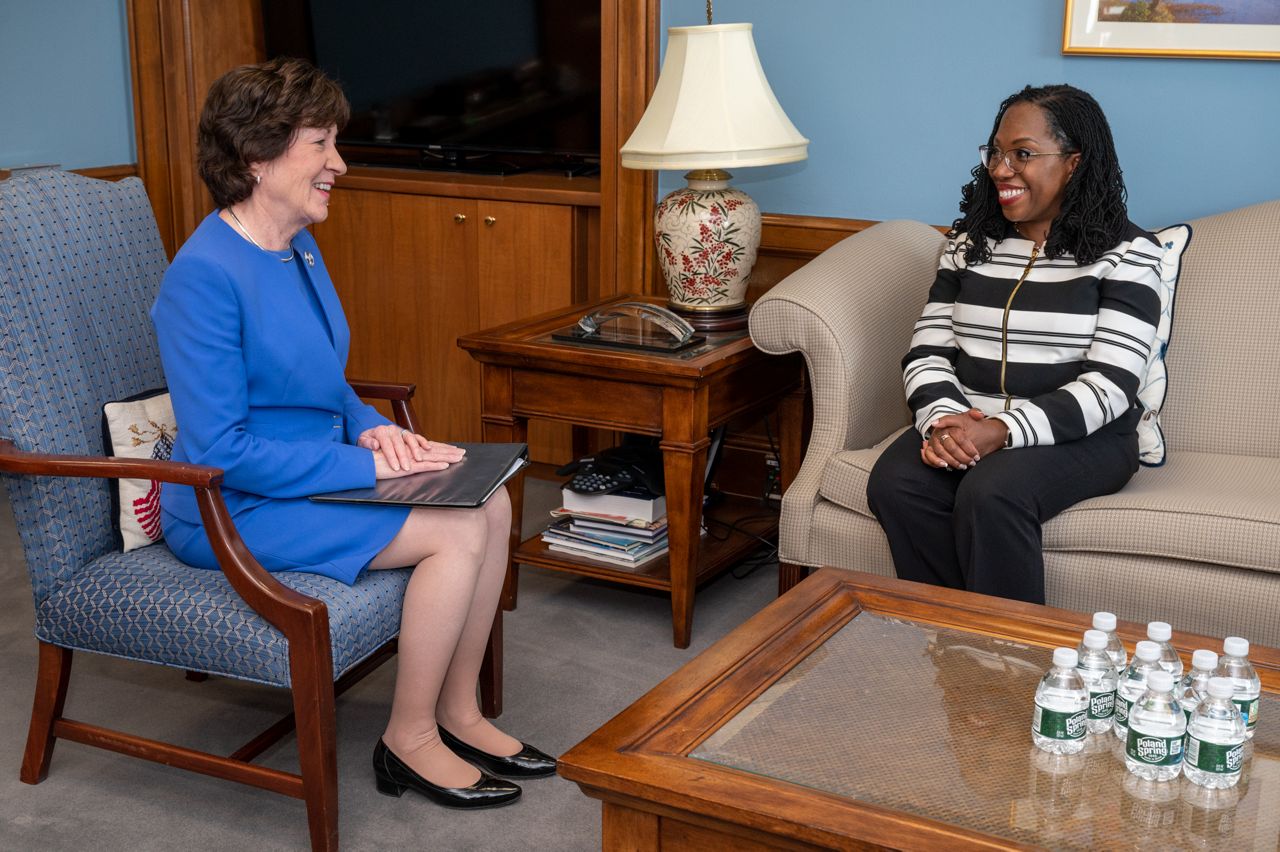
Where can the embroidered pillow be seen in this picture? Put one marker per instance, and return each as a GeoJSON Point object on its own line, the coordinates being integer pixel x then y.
{"type": "Point", "coordinates": [1151, 391]}
{"type": "Point", "coordinates": [140, 427]}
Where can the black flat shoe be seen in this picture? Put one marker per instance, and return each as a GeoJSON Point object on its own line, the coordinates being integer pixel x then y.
{"type": "Point", "coordinates": [394, 777]}
{"type": "Point", "coordinates": [529, 762]}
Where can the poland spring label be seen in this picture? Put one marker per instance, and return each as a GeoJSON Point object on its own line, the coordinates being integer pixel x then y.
{"type": "Point", "coordinates": [1214, 757]}
{"type": "Point", "coordinates": [1060, 725]}
{"type": "Point", "coordinates": [1102, 705]}
{"type": "Point", "coordinates": [1154, 750]}
{"type": "Point", "coordinates": [1249, 710]}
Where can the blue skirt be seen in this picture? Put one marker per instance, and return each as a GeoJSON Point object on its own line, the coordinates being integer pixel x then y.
{"type": "Point", "coordinates": [336, 540]}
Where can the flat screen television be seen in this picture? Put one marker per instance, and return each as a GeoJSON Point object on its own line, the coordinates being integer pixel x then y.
{"type": "Point", "coordinates": [497, 86]}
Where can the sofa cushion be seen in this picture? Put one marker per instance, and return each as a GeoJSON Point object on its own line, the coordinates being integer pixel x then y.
{"type": "Point", "coordinates": [844, 480]}
{"type": "Point", "coordinates": [1200, 507]}
{"type": "Point", "coordinates": [1151, 391]}
{"type": "Point", "coordinates": [1204, 507]}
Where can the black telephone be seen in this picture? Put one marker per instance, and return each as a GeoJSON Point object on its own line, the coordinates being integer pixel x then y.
{"type": "Point", "coordinates": [638, 462]}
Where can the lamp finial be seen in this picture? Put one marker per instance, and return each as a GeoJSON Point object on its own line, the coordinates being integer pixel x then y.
{"type": "Point", "coordinates": [708, 12]}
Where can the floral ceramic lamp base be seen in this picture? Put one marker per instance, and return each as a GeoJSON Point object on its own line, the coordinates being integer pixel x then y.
{"type": "Point", "coordinates": [707, 235]}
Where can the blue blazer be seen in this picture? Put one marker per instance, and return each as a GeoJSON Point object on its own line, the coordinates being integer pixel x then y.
{"type": "Point", "coordinates": [254, 352]}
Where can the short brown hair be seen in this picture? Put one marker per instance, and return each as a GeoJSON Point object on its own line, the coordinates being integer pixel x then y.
{"type": "Point", "coordinates": [251, 115]}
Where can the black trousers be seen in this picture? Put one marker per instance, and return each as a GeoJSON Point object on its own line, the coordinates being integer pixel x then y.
{"type": "Point", "coordinates": [980, 529]}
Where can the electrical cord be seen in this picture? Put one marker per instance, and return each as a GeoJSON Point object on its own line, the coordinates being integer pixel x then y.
{"type": "Point", "coordinates": [763, 556]}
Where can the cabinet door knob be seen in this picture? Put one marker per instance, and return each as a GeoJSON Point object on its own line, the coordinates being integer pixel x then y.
{"type": "Point", "coordinates": [490, 220]}
{"type": "Point", "coordinates": [459, 217]}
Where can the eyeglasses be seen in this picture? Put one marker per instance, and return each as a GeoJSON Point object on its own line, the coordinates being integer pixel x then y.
{"type": "Point", "coordinates": [1017, 159]}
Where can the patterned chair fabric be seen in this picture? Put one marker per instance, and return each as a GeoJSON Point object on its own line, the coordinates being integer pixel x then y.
{"type": "Point", "coordinates": [80, 263]}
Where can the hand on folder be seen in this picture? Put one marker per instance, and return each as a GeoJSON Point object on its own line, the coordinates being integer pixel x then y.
{"type": "Point", "coordinates": [466, 483]}
{"type": "Point", "coordinates": [398, 452]}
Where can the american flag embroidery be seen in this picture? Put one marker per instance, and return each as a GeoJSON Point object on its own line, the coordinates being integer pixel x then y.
{"type": "Point", "coordinates": [146, 509]}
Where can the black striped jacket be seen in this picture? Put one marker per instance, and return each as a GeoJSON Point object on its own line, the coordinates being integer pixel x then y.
{"type": "Point", "coordinates": [1055, 357]}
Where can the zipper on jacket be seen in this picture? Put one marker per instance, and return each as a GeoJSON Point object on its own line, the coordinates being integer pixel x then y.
{"type": "Point", "coordinates": [1004, 328]}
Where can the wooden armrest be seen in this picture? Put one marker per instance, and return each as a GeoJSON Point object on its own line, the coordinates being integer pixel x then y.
{"type": "Point", "coordinates": [13, 460]}
{"type": "Point", "coordinates": [383, 390]}
{"type": "Point", "coordinates": [291, 612]}
{"type": "Point", "coordinates": [398, 393]}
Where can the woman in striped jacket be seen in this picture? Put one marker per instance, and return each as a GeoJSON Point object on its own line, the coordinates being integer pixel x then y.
{"type": "Point", "coordinates": [1024, 368]}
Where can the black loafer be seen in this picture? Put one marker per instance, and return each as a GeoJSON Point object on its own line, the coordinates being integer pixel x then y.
{"type": "Point", "coordinates": [394, 777]}
{"type": "Point", "coordinates": [529, 762]}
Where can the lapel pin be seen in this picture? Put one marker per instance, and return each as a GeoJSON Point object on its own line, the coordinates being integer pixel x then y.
{"type": "Point", "coordinates": [309, 258]}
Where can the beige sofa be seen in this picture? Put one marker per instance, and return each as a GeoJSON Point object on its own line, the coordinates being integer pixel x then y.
{"type": "Point", "coordinates": [1195, 542]}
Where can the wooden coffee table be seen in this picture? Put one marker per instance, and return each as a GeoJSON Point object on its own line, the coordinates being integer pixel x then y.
{"type": "Point", "coordinates": [859, 711]}
{"type": "Point", "coordinates": [679, 397]}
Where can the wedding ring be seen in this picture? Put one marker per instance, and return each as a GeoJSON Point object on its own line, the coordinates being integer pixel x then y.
{"type": "Point", "coordinates": [944, 437]}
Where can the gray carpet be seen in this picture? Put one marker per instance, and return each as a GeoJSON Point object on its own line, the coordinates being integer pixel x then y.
{"type": "Point", "coordinates": [577, 652]}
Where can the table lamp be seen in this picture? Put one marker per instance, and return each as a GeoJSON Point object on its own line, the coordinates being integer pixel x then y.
{"type": "Point", "coordinates": [711, 110]}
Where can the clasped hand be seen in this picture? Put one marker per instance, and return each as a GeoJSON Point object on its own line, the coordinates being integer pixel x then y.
{"type": "Point", "coordinates": [398, 452]}
{"type": "Point", "coordinates": [960, 440]}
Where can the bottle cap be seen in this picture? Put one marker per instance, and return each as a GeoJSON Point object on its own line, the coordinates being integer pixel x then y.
{"type": "Point", "coordinates": [1159, 631]}
{"type": "Point", "coordinates": [1204, 660]}
{"type": "Point", "coordinates": [1095, 640]}
{"type": "Point", "coordinates": [1160, 681]}
{"type": "Point", "coordinates": [1104, 621]}
{"type": "Point", "coordinates": [1219, 687]}
{"type": "Point", "coordinates": [1148, 651]}
{"type": "Point", "coordinates": [1234, 646]}
{"type": "Point", "coordinates": [1065, 657]}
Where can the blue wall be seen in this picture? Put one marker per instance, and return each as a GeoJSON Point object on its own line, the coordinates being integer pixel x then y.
{"type": "Point", "coordinates": [64, 83]}
{"type": "Point", "coordinates": [895, 98]}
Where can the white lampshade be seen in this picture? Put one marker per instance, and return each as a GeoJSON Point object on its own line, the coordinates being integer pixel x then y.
{"type": "Point", "coordinates": [712, 108]}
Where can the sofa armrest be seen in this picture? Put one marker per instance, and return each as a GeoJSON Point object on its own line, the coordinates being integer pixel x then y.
{"type": "Point", "coordinates": [850, 312]}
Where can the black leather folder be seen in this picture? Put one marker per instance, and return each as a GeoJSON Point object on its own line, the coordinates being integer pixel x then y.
{"type": "Point", "coordinates": [462, 485]}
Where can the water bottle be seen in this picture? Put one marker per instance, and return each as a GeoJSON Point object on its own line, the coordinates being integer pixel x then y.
{"type": "Point", "coordinates": [1106, 622]}
{"type": "Point", "coordinates": [1100, 679]}
{"type": "Point", "coordinates": [1195, 685]}
{"type": "Point", "coordinates": [1062, 706]}
{"type": "Point", "coordinates": [1157, 727]}
{"type": "Point", "coordinates": [1235, 666]}
{"type": "Point", "coordinates": [1159, 632]}
{"type": "Point", "coordinates": [1133, 683]}
{"type": "Point", "coordinates": [1215, 738]}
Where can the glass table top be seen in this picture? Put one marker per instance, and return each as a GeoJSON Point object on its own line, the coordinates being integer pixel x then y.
{"type": "Point", "coordinates": [937, 722]}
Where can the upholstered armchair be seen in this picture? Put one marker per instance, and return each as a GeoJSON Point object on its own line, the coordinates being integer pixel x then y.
{"type": "Point", "coordinates": [80, 263]}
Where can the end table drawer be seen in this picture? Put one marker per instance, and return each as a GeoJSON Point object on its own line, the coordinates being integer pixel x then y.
{"type": "Point", "coordinates": [588, 402]}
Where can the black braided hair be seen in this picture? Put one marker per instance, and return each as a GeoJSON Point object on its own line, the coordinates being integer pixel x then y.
{"type": "Point", "coordinates": [1093, 218]}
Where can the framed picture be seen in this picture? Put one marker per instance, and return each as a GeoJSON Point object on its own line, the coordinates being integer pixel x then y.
{"type": "Point", "coordinates": [1223, 29]}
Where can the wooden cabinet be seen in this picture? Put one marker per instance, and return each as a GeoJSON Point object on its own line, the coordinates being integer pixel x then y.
{"type": "Point", "coordinates": [415, 271]}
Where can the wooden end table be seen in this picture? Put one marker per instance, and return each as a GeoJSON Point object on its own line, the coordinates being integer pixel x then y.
{"type": "Point", "coordinates": [678, 397]}
{"type": "Point", "coordinates": [866, 712]}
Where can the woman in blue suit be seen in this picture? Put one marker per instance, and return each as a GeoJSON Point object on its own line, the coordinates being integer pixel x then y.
{"type": "Point", "coordinates": [254, 344]}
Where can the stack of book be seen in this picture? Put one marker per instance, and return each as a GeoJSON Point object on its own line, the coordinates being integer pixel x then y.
{"type": "Point", "coordinates": [627, 528]}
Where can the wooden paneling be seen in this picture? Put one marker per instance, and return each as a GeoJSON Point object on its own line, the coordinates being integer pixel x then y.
{"type": "Point", "coordinates": [629, 71]}
{"type": "Point", "coordinates": [178, 48]}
